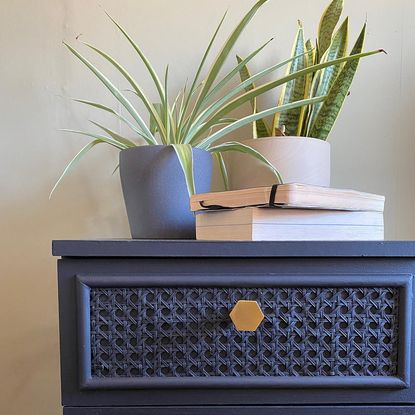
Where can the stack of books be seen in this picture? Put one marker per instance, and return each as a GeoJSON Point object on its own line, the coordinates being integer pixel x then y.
{"type": "Point", "coordinates": [289, 212]}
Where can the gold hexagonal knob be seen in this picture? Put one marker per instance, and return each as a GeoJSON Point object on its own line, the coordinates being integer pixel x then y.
{"type": "Point", "coordinates": [246, 315]}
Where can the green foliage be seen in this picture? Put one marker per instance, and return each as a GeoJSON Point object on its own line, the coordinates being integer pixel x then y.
{"type": "Point", "coordinates": [260, 129]}
{"type": "Point", "coordinates": [328, 22]}
{"type": "Point", "coordinates": [200, 115]}
{"type": "Point", "coordinates": [182, 124]}
{"type": "Point", "coordinates": [294, 90]}
{"type": "Point", "coordinates": [332, 80]}
{"type": "Point", "coordinates": [331, 107]}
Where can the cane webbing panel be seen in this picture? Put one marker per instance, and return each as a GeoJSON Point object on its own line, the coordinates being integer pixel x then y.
{"type": "Point", "coordinates": [177, 332]}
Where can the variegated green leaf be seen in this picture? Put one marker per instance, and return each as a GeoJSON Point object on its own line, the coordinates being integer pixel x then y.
{"type": "Point", "coordinates": [295, 89]}
{"type": "Point", "coordinates": [208, 141]}
{"type": "Point", "coordinates": [73, 162]}
{"type": "Point", "coordinates": [222, 56]}
{"type": "Point", "coordinates": [223, 169]}
{"type": "Point", "coordinates": [244, 75]}
{"type": "Point", "coordinates": [143, 58]}
{"type": "Point", "coordinates": [117, 94]}
{"type": "Point", "coordinates": [109, 140]}
{"type": "Point", "coordinates": [243, 148]}
{"type": "Point", "coordinates": [136, 88]}
{"type": "Point", "coordinates": [327, 25]}
{"type": "Point", "coordinates": [125, 141]}
{"type": "Point", "coordinates": [259, 127]}
{"type": "Point", "coordinates": [166, 115]}
{"type": "Point", "coordinates": [199, 124]}
{"type": "Point", "coordinates": [229, 76]}
{"type": "Point", "coordinates": [153, 123]}
{"type": "Point", "coordinates": [330, 109]}
{"type": "Point", "coordinates": [227, 47]}
{"type": "Point", "coordinates": [195, 84]}
{"type": "Point", "coordinates": [110, 110]}
{"type": "Point", "coordinates": [185, 155]}
{"type": "Point", "coordinates": [311, 60]}
{"type": "Point", "coordinates": [259, 90]}
{"type": "Point", "coordinates": [311, 53]}
{"type": "Point", "coordinates": [325, 80]}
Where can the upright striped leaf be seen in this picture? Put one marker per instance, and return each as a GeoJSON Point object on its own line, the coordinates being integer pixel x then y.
{"type": "Point", "coordinates": [185, 155]}
{"type": "Point", "coordinates": [221, 102]}
{"type": "Point", "coordinates": [295, 89]}
{"type": "Point", "coordinates": [259, 90]}
{"type": "Point", "coordinates": [259, 127]}
{"type": "Point", "coordinates": [311, 60]}
{"type": "Point", "coordinates": [331, 107]}
{"type": "Point", "coordinates": [311, 52]}
{"type": "Point", "coordinates": [325, 80]}
{"type": "Point", "coordinates": [327, 25]}
{"type": "Point", "coordinates": [208, 141]}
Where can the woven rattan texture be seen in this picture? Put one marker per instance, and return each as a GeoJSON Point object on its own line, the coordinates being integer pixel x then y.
{"type": "Point", "coordinates": [175, 332]}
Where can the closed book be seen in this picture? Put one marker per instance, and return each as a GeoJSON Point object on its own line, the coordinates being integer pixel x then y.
{"type": "Point", "coordinates": [274, 224]}
{"type": "Point", "coordinates": [292, 195]}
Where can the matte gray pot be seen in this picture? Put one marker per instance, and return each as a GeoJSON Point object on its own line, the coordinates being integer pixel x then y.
{"type": "Point", "coordinates": [155, 191]}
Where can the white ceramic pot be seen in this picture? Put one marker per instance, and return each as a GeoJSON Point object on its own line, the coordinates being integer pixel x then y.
{"type": "Point", "coordinates": [298, 159]}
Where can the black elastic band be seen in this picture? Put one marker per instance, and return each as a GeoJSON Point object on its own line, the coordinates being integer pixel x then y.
{"type": "Point", "coordinates": [272, 195]}
{"type": "Point", "coordinates": [212, 207]}
{"type": "Point", "coordinates": [271, 202]}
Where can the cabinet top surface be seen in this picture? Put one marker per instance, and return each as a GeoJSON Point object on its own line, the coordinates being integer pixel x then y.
{"type": "Point", "coordinates": [191, 248]}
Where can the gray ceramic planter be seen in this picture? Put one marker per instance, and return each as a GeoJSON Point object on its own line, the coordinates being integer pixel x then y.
{"type": "Point", "coordinates": [155, 191]}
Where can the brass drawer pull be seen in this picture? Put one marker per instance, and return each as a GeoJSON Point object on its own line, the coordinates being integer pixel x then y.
{"type": "Point", "coordinates": [246, 315]}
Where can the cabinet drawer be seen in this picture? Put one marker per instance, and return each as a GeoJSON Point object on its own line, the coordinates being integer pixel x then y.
{"type": "Point", "coordinates": [318, 331]}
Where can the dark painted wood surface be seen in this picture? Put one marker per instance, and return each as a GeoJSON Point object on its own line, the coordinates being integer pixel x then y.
{"type": "Point", "coordinates": [122, 261]}
{"type": "Point", "coordinates": [245, 410]}
{"type": "Point", "coordinates": [169, 268]}
{"type": "Point", "coordinates": [188, 248]}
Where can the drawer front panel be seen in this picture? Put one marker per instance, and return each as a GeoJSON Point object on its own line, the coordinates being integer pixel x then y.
{"type": "Point", "coordinates": [151, 332]}
{"type": "Point", "coordinates": [318, 332]}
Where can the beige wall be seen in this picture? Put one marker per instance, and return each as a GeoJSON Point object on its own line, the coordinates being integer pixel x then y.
{"type": "Point", "coordinates": [373, 144]}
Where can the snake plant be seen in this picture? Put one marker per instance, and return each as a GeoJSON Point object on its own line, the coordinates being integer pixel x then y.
{"type": "Point", "coordinates": [316, 119]}
{"type": "Point", "coordinates": [201, 114]}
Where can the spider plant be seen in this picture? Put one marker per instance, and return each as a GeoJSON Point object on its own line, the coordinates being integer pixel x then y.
{"type": "Point", "coordinates": [317, 119]}
{"type": "Point", "coordinates": [201, 114]}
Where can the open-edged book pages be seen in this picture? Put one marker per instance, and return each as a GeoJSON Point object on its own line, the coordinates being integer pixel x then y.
{"type": "Point", "coordinates": [292, 195]}
{"type": "Point", "coordinates": [271, 224]}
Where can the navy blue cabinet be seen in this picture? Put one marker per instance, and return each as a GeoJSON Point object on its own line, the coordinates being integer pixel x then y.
{"type": "Point", "coordinates": [145, 327]}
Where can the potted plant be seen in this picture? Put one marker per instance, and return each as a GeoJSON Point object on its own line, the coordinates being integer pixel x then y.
{"type": "Point", "coordinates": [181, 135]}
{"type": "Point", "coordinates": [296, 141]}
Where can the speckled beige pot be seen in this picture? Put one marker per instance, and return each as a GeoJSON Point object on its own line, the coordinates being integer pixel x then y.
{"type": "Point", "coordinates": [298, 159]}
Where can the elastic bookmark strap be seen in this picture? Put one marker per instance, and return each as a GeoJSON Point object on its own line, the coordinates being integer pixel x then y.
{"type": "Point", "coordinates": [272, 195]}
{"type": "Point", "coordinates": [212, 207]}
{"type": "Point", "coordinates": [271, 202]}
